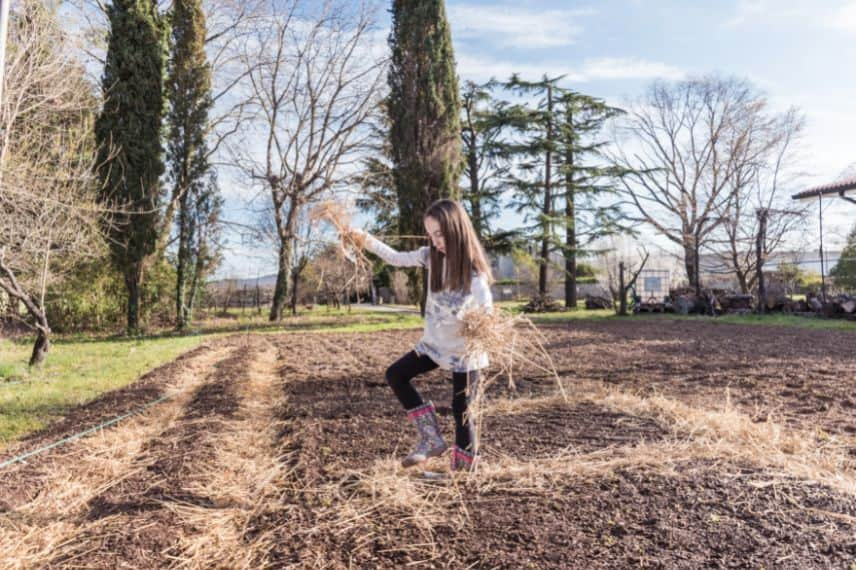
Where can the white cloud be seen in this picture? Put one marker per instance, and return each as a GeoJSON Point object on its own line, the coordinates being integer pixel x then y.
{"type": "Point", "coordinates": [628, 68]}
{"type": "Point", "coordinates": [801, 12]}
{"type": "Point", "coordinates": [844, 18]}
{"type": "Point", "coordinates": [748, 10]}
{"type": "Point", "coordinates": [516, 27]}
{"type": "Point", "coordinates": [480, 69]}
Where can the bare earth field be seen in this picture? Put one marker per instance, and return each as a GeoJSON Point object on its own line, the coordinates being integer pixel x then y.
{"type": "Point", "coordinates": [681, 445]}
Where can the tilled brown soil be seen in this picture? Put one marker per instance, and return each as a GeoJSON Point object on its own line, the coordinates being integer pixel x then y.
{"type": "Point", "coordinates": [562, 485]}
{"type": "Point", "coordinates": [342, 421]}
{"type": "Point", "coordinates": [802, 377]}
{"type": "Point", "coordinates": [21, 482]}
{"type": "Point", "coordinates": [148, 532]}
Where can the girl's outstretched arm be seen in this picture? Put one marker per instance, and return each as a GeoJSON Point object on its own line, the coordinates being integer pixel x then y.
{"type": "Point", "coordinates": [416, 258]}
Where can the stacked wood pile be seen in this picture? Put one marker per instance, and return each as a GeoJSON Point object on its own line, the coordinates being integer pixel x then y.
{"type": "Point", "coordinates": [736, 303]}
{"type": "Point", "coordinates": [545, 304]}
{"type": "Point", "coordinates": [839, 306]}
{"type": "Point", "coordinates": [710, 302]}
{"type": "Point", "coordinates": [686, 302]}
{"type": "Point", "coordinates": [595, 302]}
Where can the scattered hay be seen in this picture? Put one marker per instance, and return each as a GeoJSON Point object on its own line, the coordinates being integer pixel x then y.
{"type": "Point", "coordinates": [242, 479]}
{"type": "Point", "coordinates": [52, 521]}
{"type": "Point", "coordinates": [723, 434]}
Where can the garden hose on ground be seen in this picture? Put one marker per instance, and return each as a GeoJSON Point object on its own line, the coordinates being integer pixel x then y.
{"type": "Point", "coordinates": [117, 419]}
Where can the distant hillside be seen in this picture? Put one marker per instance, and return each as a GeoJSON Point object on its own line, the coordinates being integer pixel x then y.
{"type": "Point", "coordinates": [263, 281]}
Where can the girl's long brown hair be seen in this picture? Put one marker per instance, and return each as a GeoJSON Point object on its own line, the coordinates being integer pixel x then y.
{"type": "Point", "coordinates": [464, 252]}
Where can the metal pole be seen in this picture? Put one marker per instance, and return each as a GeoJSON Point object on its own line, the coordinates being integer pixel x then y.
{"type": "Point", "coordinates": [822, 270]}
{"type": "Point", "coordinates": [760, 242]}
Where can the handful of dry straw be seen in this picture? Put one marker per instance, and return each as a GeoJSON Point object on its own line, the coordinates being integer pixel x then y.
{"type": "Point", "coordinates": [351, 244]}
{"type": "Point", "coordinates": [509, 341]}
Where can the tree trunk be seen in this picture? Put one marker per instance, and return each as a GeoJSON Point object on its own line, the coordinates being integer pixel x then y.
{"type": "Point", "coordinates": [194, 289]}
{"type": "Point", "coordinates": [295, 279]}
{"type": "Point", "coordinates": [548, 203]}
{"type": "Point", "coordinates": [180, 292]}
{"type": "Point", "coordinates": [475, 199]}
{"type": "Point", "coordinates": [285, 231]}
{"type": "Point", "coordinates": [283, 275]}
{"type": "Point", "coordinates": [42, 346]}
{"type": "Point", "coordinates": [759, 260]}
{"type": "Point", "coordinates": [280, 291]}
{"type": "Point", "coordinates": [570, 229]}
{"type": "Point", "coordinates": [181, 269]}
{"type": "Point", "coordinates": [741, 280]}
{"type": "Point", "coordinates": [133, 281]}
{"type": "Point", "coordinates": [690, 263]}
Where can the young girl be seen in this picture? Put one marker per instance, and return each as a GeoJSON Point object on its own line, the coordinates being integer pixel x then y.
{"type": "Point", "coordinates": [459, 279]}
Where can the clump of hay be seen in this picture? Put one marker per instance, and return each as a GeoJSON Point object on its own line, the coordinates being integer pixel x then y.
{"type": "Point", "coordinates": [351, 244]}
{"type": "Point", "coordinates": [509, 341]}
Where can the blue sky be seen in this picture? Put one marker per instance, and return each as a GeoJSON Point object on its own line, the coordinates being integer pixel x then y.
{"type": "Point", "coordinates": [800, 53]}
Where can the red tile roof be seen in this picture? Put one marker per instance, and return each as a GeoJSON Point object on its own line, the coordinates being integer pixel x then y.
{"type": "Point", "coordinates": [839, 187]}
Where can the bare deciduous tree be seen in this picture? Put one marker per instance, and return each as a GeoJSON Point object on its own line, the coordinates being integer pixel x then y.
{"type": "Point", "coordinates": [313, 84]}
{"type": "Point", "coordinates": [759, 211]}
{"type": "Point", "coordinates": [686, 149]}
{"type": "Point", "coordinates": [336, 277]}
{"type": "Point", "coordinates": [48, 216]}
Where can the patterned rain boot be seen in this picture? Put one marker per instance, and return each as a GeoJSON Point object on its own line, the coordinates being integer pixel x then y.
{"type": "Point", "coordinates": [430, 442]}
{"type": "Point", "coordinates": [462, 460]}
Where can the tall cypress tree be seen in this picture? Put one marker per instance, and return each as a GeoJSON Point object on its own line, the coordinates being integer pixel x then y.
{"type": "Point", "coordinates": [189, 94]}
{"type": "Point", "coordinates": [128, 132]}
{"type": "Point", "coordinates": [423, 108]}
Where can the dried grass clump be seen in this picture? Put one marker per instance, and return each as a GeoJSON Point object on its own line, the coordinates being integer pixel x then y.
{"type": "Point", "coordinates": [351, 244]}
{"type": "Point", "coordinates": [509, 341]}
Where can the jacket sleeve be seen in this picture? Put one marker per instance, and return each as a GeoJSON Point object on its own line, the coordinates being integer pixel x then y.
{"type": "Point", "coordinates": [416, 258]}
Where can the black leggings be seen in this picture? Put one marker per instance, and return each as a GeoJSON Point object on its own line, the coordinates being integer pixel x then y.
{"type": "Point", "coordinates": [398, 376]}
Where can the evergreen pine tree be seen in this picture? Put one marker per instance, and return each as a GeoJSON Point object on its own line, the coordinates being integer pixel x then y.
{"type": "Point", "coordinates": [533, 146]}
{"type": "Point", "coordinates": [128, 132]}
{"type": "Point", "coordinates": [560, 173]}
{"type": "Point", "coordinates": [844, 271]}
{"type": "Point", "coordinates": [189, 95]}
{"type": "Point", "coordinates": [485, 163]}
{"type": "Point", "coordinates": [587, 177]}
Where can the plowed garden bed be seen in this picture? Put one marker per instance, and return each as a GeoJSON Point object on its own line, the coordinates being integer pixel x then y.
{"type": "Point", "coordinates": [681, 445]}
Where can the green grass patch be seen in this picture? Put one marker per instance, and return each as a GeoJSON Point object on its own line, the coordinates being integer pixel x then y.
{"type": "Point", "coordinates": [74, 373]}
{"type": "Point", "coordinates": [774, 320]}
{"type": "Point", "coordinates": [79, 368]}
{"type": "Point", "coordinates": [580, 313]}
